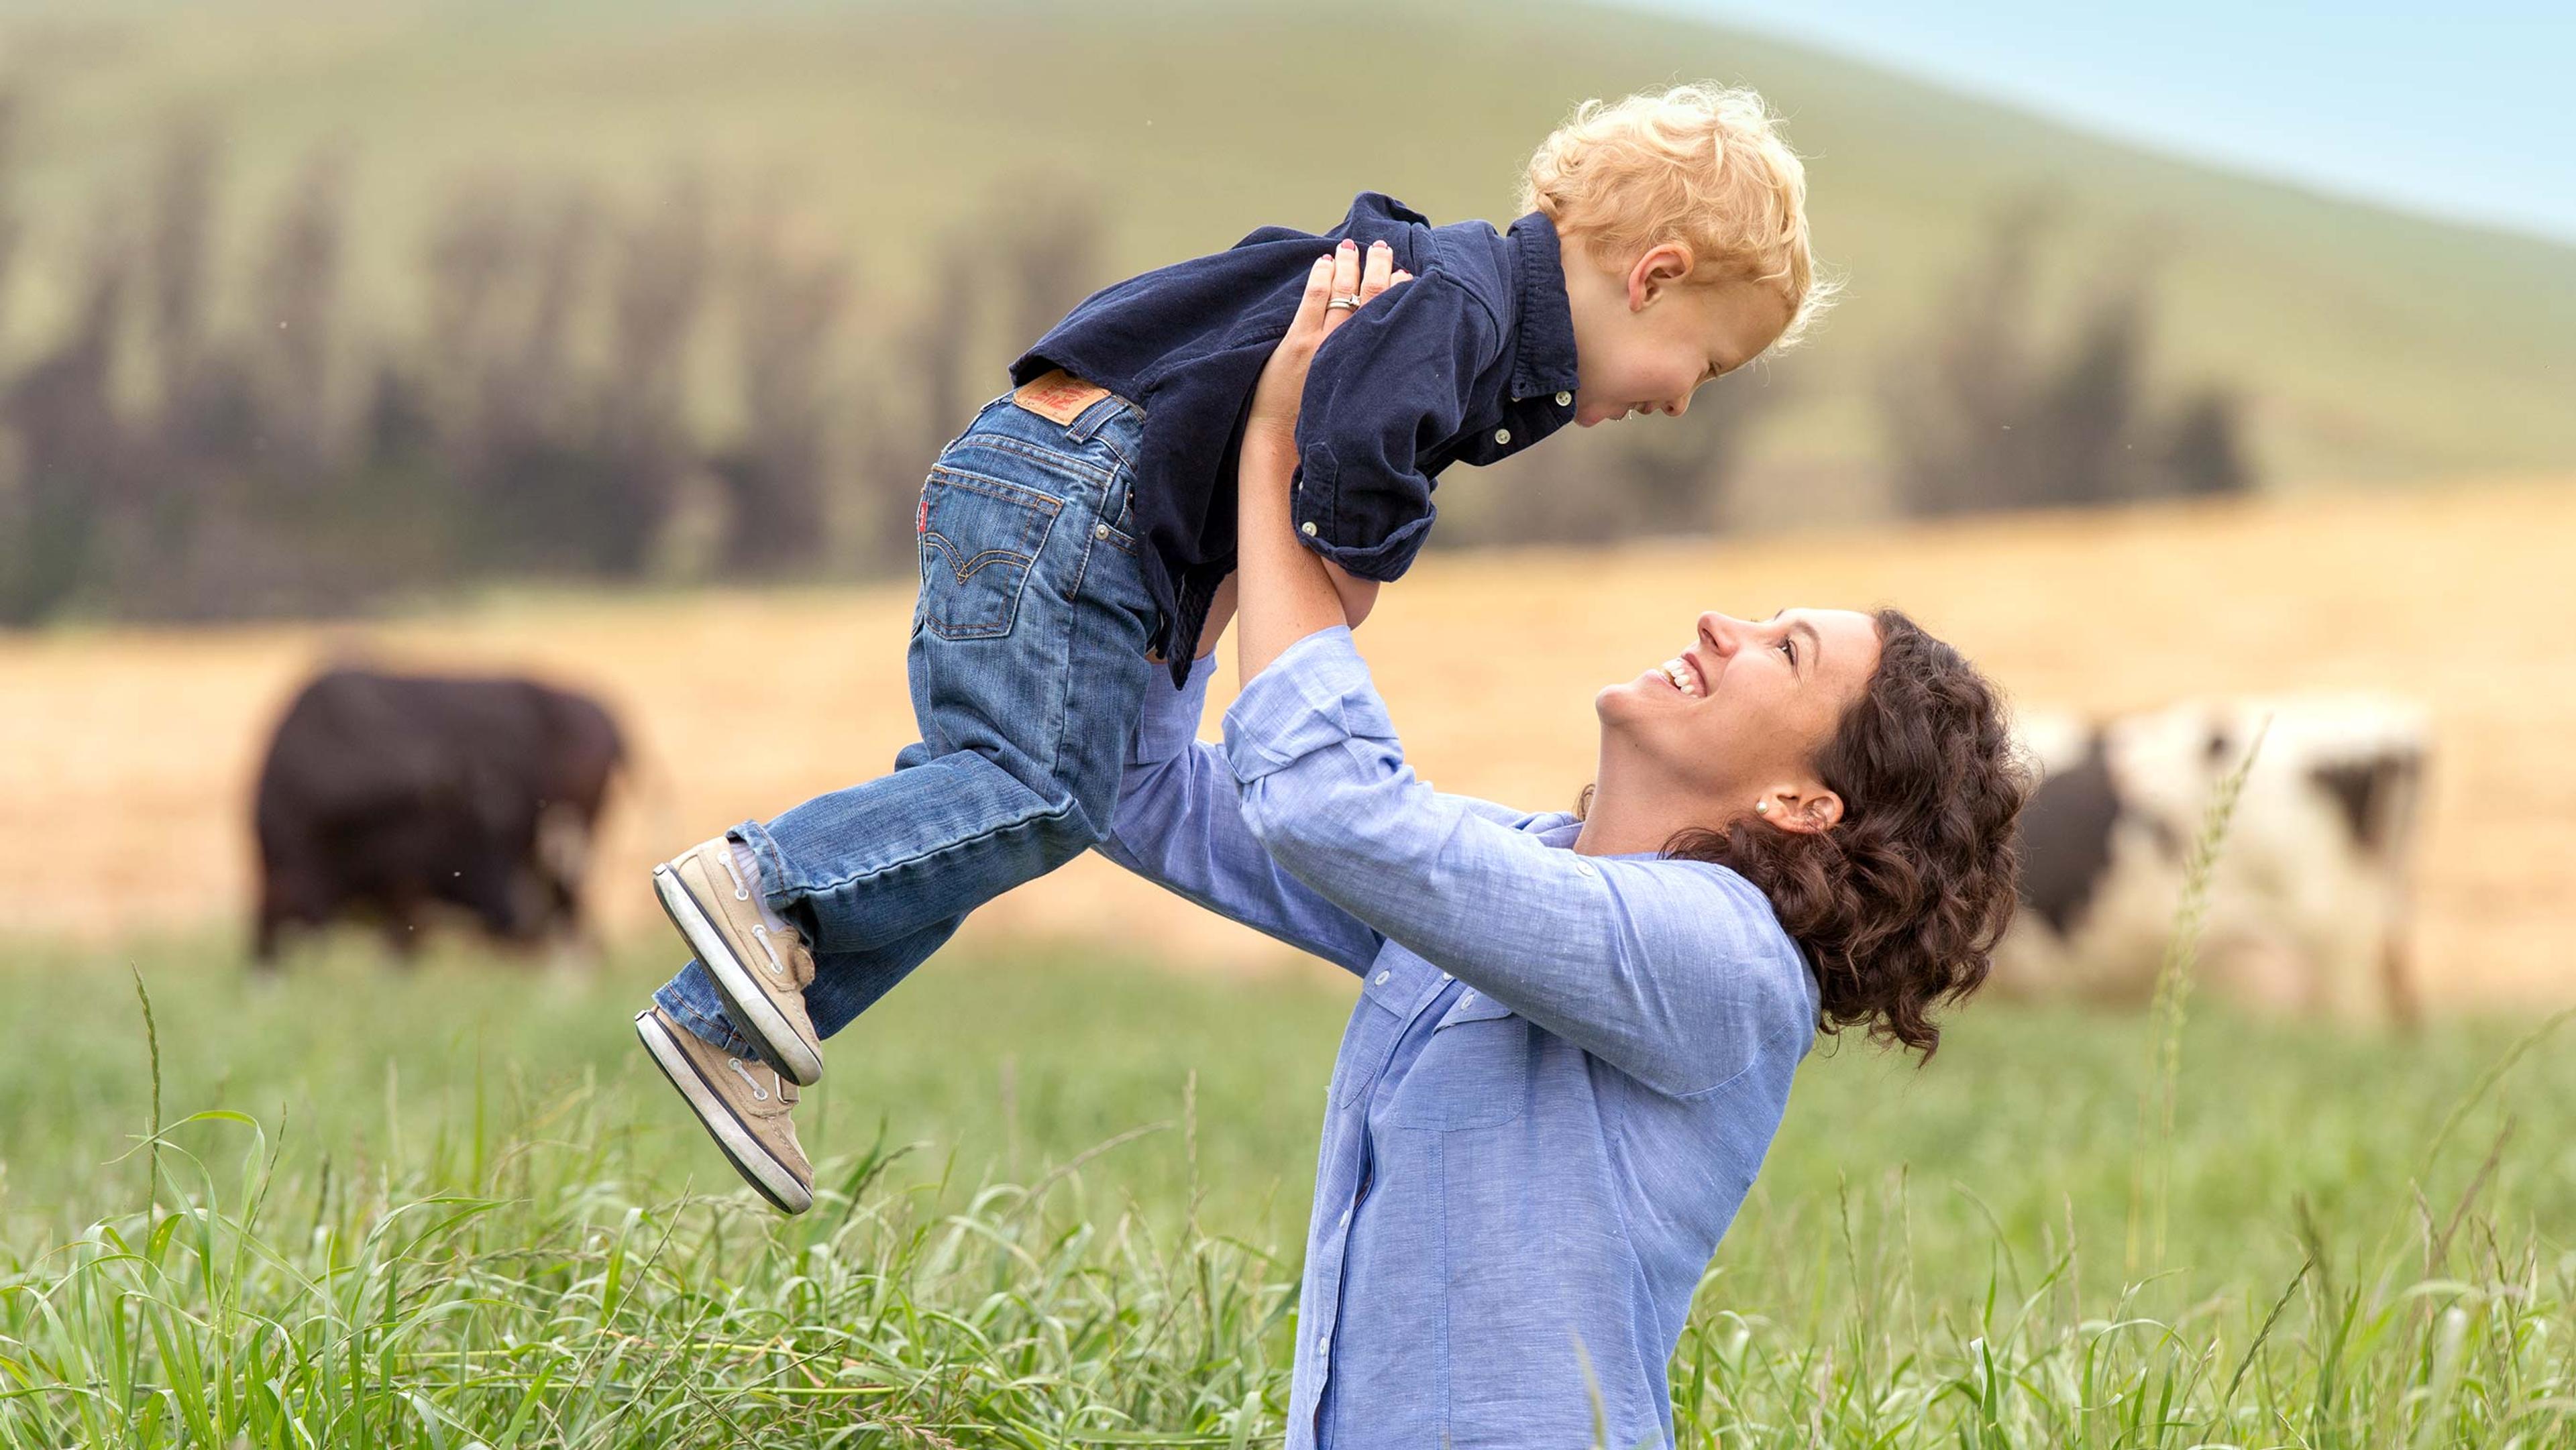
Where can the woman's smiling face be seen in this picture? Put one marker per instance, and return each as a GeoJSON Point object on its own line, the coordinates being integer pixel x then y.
{"type": "Point", "coordinates": [1747, 706]}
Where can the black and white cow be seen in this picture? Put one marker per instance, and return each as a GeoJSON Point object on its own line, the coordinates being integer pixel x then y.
{"type": "Point", "coordinates": [2308, 907]}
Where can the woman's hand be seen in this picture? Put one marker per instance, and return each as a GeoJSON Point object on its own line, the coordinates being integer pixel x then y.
{"type": "Point", "coordinates": [1343, 275]}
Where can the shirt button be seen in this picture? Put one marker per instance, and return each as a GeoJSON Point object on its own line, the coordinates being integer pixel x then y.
{"type": "Point", "coordinates": [1382, 976]}
{"type": "Point", "coordinates": [1565, 400]}
{"type": "Point", "coordinates": [1585, 867]}
{"type": "Point", "coordinates": [1323, 1344]}
{"type": "Point", "coordinates": [1467, 998]}
{"type": "Point", "coordinates": [1502, 435]}
{"type": "Point", "coordinates": [1446, 977]}
{"type": "Point", "coordinates": [1308, 529]}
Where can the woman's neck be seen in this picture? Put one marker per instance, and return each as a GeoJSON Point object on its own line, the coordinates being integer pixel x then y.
{"type": "Point", "coordinates": [1630, 817]}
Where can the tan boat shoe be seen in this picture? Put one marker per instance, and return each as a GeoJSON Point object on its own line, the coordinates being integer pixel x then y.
{"type": "Point", "coordinates": [760, 973]}
{"type": "Point", "coordinates": [744, 1104]}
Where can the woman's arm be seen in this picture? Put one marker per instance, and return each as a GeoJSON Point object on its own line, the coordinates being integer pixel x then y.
{"type": "Point", "coordinates": [1359, 596]}
{"type": "Point", "coordinates": [1676, 974]}
{"type": "Point", "coordinates": [1180, 825]}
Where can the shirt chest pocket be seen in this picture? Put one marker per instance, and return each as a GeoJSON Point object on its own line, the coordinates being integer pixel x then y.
{"type": "Point", "coordinates": [1389, 992]}
{"type": "Point", "coordinates": [1365, 1045]}
{"type": "Point", "coordinates": [1473, 1073]}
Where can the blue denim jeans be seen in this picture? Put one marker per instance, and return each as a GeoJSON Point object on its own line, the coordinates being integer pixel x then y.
{"type": "Point", "coordinates": [1027, 668]}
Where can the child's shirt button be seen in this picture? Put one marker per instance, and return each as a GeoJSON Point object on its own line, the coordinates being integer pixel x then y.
{"type": "Point", "coordinates": [1565, 400]}
{"type": "Point", "coordinates": [1308, 529]}
{"type": "Point", "coordinates": [1502, 435]}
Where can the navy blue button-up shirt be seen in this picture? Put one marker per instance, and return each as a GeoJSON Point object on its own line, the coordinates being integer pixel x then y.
{"type": "Point", "coordinates": [1473, 360]}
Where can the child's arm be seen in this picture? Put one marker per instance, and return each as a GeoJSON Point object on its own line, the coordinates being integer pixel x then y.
{"type": "Point", "coordinates": [1293, 585]}
{"type": "Point", "coordinates": [1395, 378]}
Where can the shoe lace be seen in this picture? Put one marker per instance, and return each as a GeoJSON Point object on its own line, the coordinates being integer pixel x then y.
{"type": "Point", "coordinates": [777, 968]}
{"type": "Point", "coordinates": [758, 1093]}
{"type": "Point", "coordinates": [740, 891]}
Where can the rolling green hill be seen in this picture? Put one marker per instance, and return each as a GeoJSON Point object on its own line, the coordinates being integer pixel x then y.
{"type": "Point", "coordinates": [2373, 345]}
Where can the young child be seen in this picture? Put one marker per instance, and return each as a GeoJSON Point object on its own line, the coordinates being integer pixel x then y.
{"type": "Point", "coordinates": [1075, 537]}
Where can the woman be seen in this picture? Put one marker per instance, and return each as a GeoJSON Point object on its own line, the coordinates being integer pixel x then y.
{"type": "Point", "coordinates": [1576, 1033]}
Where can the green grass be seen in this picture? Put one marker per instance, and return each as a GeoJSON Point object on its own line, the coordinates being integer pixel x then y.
{"type": "Point", "coordinates": [1062, 1201]}
{"type": "Point", "coordinates": [2372, 344]}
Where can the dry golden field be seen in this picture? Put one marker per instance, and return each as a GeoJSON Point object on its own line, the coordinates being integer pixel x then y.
{"type": "Point", "coordinates": [126, 756]}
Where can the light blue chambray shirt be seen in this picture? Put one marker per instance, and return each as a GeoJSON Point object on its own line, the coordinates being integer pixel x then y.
{"type": "Point", "coordinates": [1560, 1078]}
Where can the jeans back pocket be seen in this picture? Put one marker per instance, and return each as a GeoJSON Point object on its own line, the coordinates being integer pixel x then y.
{"type": "Point", "coordinates": [979, 539]}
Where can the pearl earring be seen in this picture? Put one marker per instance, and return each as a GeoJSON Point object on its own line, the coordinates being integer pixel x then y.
{"type": "Point", "coordinates": [1761, 808]}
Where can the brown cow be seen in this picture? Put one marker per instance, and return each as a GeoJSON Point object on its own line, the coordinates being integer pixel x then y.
{"type": "Point", "coordinates": [383, 794]}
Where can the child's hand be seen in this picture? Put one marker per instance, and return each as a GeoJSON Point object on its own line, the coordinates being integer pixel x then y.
{"type": "Point", "coordinates": [1336, 287]}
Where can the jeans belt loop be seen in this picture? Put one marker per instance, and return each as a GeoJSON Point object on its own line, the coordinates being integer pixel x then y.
{"type": "Point", "coordinates": [1094, 418]}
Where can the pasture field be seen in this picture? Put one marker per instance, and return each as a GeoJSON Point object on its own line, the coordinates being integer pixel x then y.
{"type": "Point", "coordinates": [136, 749]}
{"type": "Point", "coordinates": [1063, 1197]}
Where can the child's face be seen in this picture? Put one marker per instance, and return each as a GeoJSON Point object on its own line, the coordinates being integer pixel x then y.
{"type": "Point", "coordinates": [1644, 340]}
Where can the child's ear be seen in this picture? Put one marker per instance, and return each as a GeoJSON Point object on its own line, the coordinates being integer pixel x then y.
{"type": "Point", "coordinates": [1664, 266]}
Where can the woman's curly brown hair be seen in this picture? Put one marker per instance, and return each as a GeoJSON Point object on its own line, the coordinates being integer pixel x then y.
{"type": "Point", "coordinates": [1899, 905]}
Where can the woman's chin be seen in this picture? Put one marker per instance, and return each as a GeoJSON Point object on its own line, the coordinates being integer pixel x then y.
{"type": "Point", "coordinates": [1627, 697]}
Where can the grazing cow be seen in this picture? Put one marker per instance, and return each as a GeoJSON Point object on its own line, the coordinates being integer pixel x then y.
{"type": "Point", "coordinates": [2309, 902]}
{"type": "Point", "coordinates": [385, 794]}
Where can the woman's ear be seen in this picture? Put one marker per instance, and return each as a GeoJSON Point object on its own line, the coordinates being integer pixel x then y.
{"type": "Point", "coordinates": [1664, 266]}
{"type": "Point", "coordinates": [1791, 810]}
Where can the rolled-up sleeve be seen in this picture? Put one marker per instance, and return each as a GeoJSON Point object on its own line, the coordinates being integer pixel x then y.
{"type": "Point", "coordinates": [1180, 825]}
{"type": "Point", "coordinates": [1393, 381]}
{"type": "Point", "coordinates": [1674, 972]}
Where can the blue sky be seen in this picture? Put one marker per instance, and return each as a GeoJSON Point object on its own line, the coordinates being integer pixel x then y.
{"type": "Point", "coordinates": [2465, 111]}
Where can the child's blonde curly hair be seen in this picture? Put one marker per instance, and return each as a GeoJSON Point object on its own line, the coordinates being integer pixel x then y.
{"type": "Point", "coordinates": [1702, 165]}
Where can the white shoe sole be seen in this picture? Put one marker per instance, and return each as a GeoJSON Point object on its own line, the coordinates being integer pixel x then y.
{"type": "Point", "coordinates": [756, 1164]}
{"type": "Point", "coordinates": [745, 999]}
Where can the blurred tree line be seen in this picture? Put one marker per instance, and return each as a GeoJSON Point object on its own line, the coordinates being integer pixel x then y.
{"type": "Point", "coordinates": [684, 388]}
{"type": "Point", "coordinates": [1986, 411]}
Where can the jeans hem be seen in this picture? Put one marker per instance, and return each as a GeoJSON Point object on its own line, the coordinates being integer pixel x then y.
{"type": "Point", "coordinates": [715, 1031]}
{"type": "Point", "coordinates": [778, 889]}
